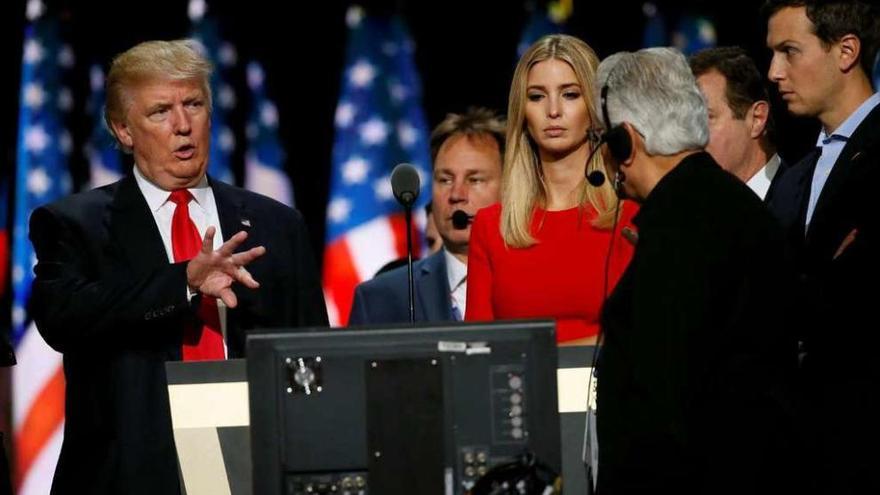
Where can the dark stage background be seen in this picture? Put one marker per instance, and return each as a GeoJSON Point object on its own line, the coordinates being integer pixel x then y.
{"type": "Point", "coordinates": [465, 53]}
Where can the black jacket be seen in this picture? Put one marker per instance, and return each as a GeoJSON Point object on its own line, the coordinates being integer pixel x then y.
{"type": "Point", "coordinates": [106, 297]}
{"type": "Point", "coordinates": [837, 296]}
{"type": "Point", "coordinates": [694, 387]}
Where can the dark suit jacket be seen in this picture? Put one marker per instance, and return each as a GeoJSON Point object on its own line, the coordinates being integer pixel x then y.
{"type": "Point", "coordinates": [774, 184]}
{"type": "Point", "coordinates": [385, 299]}
{"type": "Point", "coordinates": [106, 297]}
{"type": "Point", "coordinates": [837, 300]}
{"type": "Point", "coordinates": [695, 376]}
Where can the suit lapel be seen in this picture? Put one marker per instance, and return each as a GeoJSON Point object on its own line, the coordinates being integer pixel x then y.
{"type": "Point", "coordinates": [846, 166]}
{"type": "Point", "coordinates": [432, 289]}
{"type": "Point", "coordinates": [234, 217]}
{"type": "Point", "coordinates": [132, 227]}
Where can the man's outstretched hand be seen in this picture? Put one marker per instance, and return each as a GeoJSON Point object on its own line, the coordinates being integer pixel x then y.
{"type": "Point", "coordinates": [212, 273]}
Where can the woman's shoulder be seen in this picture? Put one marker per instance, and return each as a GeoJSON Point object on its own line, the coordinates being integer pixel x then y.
{"type": "Point", "coordinates": [491, 213]}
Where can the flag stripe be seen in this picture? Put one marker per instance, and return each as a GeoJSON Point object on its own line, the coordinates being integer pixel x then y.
{"type": "Point", "coordinates": [40, 424]}
{"type": "Point", "coordinates": [39, 480]}
{"type": "Point", "coordinates": [339, 267]}
{"type": "Point", "coordinates": [37, 363]}
{"type": "Point", "coordinates": [372, 245]}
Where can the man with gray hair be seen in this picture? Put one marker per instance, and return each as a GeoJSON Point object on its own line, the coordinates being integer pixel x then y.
{"type": "Point", "coordinates": [694, 373]}
{"type": "Point", "coordinates": [152, 269]}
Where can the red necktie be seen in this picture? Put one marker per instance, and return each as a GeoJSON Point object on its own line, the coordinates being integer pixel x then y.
{"type": "Point", "coordinates": [205, 341]}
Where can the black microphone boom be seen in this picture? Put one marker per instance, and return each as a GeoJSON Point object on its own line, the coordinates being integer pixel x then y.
{"type": "Point", "coordinates": [405, 184]}
{"type": "Point", "coordinates": [596, 178]}
{"type": "Point", "coordinates": [461, 220]}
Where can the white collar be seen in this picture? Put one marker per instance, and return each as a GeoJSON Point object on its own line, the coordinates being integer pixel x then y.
{"type": "Point", "coordinates": [456, 271]}
{"type": "Point", "coordinates": [760, 182]}
{"type": "Point", "coordinates": [156, 196]}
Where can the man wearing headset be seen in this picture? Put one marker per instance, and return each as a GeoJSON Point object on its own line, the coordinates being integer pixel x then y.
{"type": "Point", "coordinates": [695, 370]}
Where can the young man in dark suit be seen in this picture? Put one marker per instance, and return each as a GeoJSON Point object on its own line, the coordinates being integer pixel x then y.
{"type": "Point", "coordinates": [823, 54]}
{"type": "Point", "coordinates": [137, 273]}
{"type": "Point", "coordinates": [467, 152]}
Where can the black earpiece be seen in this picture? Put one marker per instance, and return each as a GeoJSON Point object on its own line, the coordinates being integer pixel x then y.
{"type": "Point", "coordinates": [616, 137]}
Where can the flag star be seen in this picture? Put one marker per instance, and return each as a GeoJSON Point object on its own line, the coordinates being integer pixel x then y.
{"type": "Point", "coordinates": [226, 97]}
{"type": "Point", "coordinates": [268, 114]}
{"type": "Point", "coordinates": [226, 139]}
{"type": "Point", "coordinates": [33, 51]}
{"type": "Point", "coordinates": [338, 210]}
{"type": "Point", "coordinates": [65, 57]}
{"type": "Point", "coordinates": [38, 181]}
{"type": "Point", "coordinates": [407, 134]}
{"type": "Point", "coordinates": [354, 16]}
{"type": "Point", "coordinates": [382, 188]}
{"type": "Point", "coordinates": [36, 139]}
{"type": "Point", "coordinates": [228, 55]}
{"type": "Point", "coordinates": [34, 96]}
{"type": "Point", "coordinates": [398, 92]}
{"type": "Point", "coordinates": [707, 32]}
{"type": "Point", "coordinates": [65, 99]}
{"type": "Point", "coordinates": [66, 143]}
{"type": "Point", "coordinates": [96, 78]}
{"type": "Point", "coordinates": [345, 113]}
{"type": "Point", "coordinates": [362, 74]}
{"type": "Point", "coordinates": [197, 9]}
{"type": "Point", "coordinates": [374, 131]}
{"type": "Point", "coordinates": [251, 130]}
{"type": "Point", "coordinates": [35, 9]}
{"type": "Point", "coordinates": [18, 315]}
{"type": "Point", "coordinates": [354, 171]}
{"type": "Point", "coordinates": [255, 75]}
{"type": "Point", "coordinates": [17, 274]}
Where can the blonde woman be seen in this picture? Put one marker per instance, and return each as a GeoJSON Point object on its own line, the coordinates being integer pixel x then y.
{"type": "Point", "coordinates": [542, 251]}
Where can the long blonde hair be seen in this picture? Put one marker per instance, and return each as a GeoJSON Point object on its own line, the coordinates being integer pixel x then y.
{"type": "Point", "coordinates": [521, 186]}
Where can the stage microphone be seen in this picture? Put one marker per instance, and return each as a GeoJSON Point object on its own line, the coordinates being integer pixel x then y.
{"type": "Point", "coordinates": [461, 220]}
{"type": "Point", "coordinates": [596, 178]}
{"type": "Point", "coordinates": [405, 184]}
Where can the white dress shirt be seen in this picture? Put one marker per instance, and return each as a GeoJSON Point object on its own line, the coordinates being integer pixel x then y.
{"type": "Point", "coordinates": [760, 182]}
{"type": "Point", "coordinates": [456, 272]}
{"type": "Point", "coordinates": [202, 211]}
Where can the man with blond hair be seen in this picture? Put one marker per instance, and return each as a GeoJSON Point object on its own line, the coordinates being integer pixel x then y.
{"type": "Point", "coordinates": [467, 152]}
{"type": "Point", "coordinates": [164, 265]}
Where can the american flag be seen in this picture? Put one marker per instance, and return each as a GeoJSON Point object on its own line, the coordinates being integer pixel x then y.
{"type": "Point", "coordinates": [105, 160]}
{"type": "Point", "coordinates": [44, 146]}
{"type": "Point", "coordinates": [264, 157]}
{"type": "Point", "coordinates": [224, 56]}
{"type": "Point", "coordinates": [4, 242]}
{"type": "Point", "coordinates": [655, 33]}
{"type": "Point", "coordinates": [694, 33]}
{"type": "Point", "coordinates": [543, 21]}
{"type": "Point", "coordinates": [379, 123]}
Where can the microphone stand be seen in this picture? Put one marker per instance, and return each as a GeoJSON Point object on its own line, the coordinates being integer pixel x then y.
{"type": "Point", "coordinates": [409, 265]}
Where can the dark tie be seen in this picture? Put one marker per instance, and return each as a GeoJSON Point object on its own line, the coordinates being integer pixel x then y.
{"type": "Point", "coordinates": [201, 341]}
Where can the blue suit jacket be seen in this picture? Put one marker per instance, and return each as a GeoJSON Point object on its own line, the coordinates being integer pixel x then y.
{"type": "Point", "coordinates": [384, 299]}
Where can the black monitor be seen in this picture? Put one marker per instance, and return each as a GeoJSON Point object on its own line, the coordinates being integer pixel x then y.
{"type": "Point", "coordinates": [396, 410]}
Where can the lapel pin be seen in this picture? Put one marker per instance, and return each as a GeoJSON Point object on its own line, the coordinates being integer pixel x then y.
{"type": "Point", "coordinates": [245, 222]}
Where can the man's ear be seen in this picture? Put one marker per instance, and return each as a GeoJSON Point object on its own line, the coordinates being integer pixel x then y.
{"type": "Point", "coordinates": [757, 117]}
{"type": "Point", "coordinates": [850, 49]}
{"type": "Point", "coordinates": [122, 133]}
